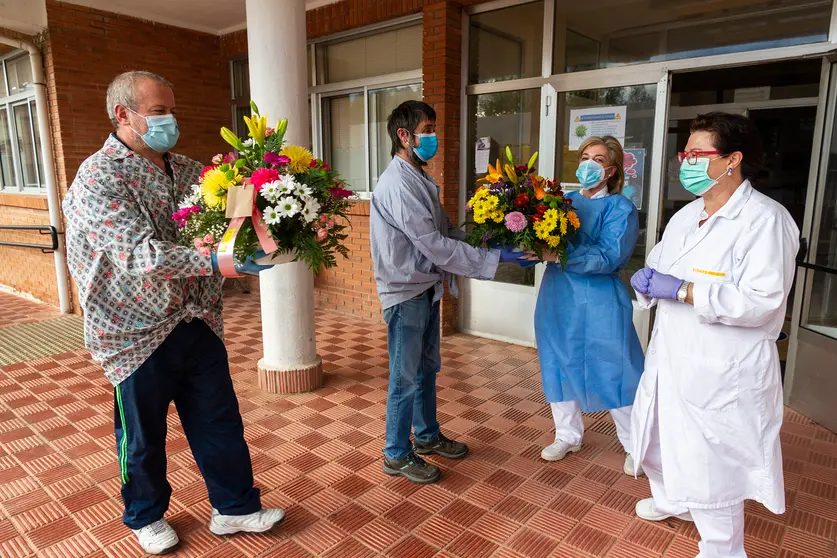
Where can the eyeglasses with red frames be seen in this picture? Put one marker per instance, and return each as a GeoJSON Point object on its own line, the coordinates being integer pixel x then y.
{"type": "Point", "coordinates": [693, 156]}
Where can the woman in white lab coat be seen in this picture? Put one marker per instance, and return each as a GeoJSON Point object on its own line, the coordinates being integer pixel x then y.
{"type": "Point", "coordinates": [706, 420]}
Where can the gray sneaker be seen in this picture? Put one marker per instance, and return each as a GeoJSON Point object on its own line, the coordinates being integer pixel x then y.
{"type": "Point", "coordinates": [413, 468]}
{"type": "Point", "coordinates": [442, 446]}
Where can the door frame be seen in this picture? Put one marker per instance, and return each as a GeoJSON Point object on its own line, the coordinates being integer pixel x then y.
{"type": "Point", "coordinates": [823, 133]}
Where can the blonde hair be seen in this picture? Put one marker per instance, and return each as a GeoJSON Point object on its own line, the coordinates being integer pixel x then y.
{"type": "Point", "coordinates": [615, 156]}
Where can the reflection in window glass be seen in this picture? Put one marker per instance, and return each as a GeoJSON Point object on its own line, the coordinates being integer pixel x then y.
{"type": "Point", "coordinates": [630, 32]}
{"type": "Point", "coordinates": [345, 149]}
{"type": "Point", "coordinates": [821, 313]}
{"type": "Point", "coordinates": [388, 52]}
{"type": "Point", "coordinates": [7, 174]}
{"type": "Point", "coordinates": [506, 44]}
{"type": "Point", "coordinates": [580, 113]}
{"type": "Point", "coordinates": [381, 103]}
{"type": "Point", "coordinates": [26, 145]}
{"type": "Point", "coordinates": [19, 71]}
{"type": "Point", "coordinates": [499, 120]}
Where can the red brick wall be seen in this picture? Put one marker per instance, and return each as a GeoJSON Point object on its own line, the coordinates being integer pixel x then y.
{"type": "Point", "coordinates": [90, 47]}
{"type": "Point", "coordinates": [441, 76]}
{"type": "Point", "coordinates": [351, 287]}
{"type": "Point", "coordinates": [26, 269]}
{"type": "Point", "coordinates": [83, 50]}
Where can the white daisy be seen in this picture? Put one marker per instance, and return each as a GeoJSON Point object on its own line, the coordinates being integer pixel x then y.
{"type": "Point", "coordinates": [303, 189]}
{"type": "Point", "coordinates": [287, 185]}
{"type": "Point", "coordinates": [309, 212]}
{"type": "Point", "coordinates": [271, 215]}
{"type": "Point", "coordinates": [270, 191]}
{"type": "Point", "coordinates": [288, 206]}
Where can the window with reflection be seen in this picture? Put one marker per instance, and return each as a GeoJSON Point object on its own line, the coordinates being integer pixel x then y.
{"type": "Point", "coordinates": [590, 35]}
{"type": "Point", "coordinates": [496, 121]}
{"type": "Point", "coordinates": [506, 44]}
{"type": "Point", "coordinates": [21, 163]}
{"type": "Point", "coordinates": [381, 53]}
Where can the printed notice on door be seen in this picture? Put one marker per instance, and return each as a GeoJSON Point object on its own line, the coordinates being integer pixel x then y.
{"type": "Point", "coordinates": [598, 121]}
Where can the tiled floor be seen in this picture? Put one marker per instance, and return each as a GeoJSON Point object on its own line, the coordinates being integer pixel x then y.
{"type": "Point", "coordinates": [319, 456]}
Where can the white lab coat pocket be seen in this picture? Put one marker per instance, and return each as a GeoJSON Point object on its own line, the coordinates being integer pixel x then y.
{"type": "Point", "coordinates": [709, 384]}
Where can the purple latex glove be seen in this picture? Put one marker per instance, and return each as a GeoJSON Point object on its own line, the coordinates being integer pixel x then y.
{"type": "Point", "coordinates": [641, 280]}
{"type": "Point", "coordinates": [662, 286]}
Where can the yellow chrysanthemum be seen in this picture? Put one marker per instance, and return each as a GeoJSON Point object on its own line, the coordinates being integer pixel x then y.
{"type": "Point", "coordinates": [214, 188]}
{"type": "Point", "coordinates": [300, 158]}
{"type": "Point", "coordinates": [573, 217]}
{"type": "Point", "coordinates": [553, 240]}
{"type": "Point", "coordinates": [543, 228]}
{"type": "Point", "coordinates": [563, 224]}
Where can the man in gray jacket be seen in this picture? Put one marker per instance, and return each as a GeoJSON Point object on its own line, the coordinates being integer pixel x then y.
{"type": "Point", "coordinates": [413, 255]}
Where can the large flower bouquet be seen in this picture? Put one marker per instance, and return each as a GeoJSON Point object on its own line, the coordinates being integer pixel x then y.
{"type": "Point", "coordinates": [515, 207]}
{"type": "Point", "coordinates": [284, 199]}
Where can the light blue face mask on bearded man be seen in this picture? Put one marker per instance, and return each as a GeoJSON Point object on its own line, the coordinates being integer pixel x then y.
{"type": "Point", "coordinates": [162, 133]}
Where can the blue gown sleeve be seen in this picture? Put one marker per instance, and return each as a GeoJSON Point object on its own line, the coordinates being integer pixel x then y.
{"type": "Point", "coordinates": [613, 247]}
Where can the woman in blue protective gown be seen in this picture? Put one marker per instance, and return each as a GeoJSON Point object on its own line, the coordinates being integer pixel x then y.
{"type": "Point", "coordinates": [590, 355]}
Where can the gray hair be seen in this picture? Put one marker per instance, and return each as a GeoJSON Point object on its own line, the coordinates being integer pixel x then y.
{"type": "Point", "coordinates": [121, 91]}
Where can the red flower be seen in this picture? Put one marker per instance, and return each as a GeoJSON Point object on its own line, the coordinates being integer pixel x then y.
{"type": "Point", "coordinates": [206, 170]}
{"type": "Point", "coordinates": [539, 211]}
{"type": "Point", "coordinates": [340, 193]}
{"type": "Point", "coordinates": [522, 200]}
{"type": "Point", "coordinates": [318, 164]}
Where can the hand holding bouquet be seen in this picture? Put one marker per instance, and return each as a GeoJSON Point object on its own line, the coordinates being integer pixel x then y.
{"type": "Point", "coordinates": [516, 207]}
{"type": "Point", "coordinates": [270, 194]}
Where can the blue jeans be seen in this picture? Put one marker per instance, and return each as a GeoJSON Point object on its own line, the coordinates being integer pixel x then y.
{"type": "Point", "coordinates": [413, 340]}
{"type": "Point", "coordinates": [191, 369]}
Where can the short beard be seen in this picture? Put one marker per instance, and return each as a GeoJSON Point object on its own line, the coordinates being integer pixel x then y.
{"type": "Point", "coordinates": [411, 153]}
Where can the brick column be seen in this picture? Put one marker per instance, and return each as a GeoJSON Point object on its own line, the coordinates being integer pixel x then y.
{"type": "Point", "coordinates": [441, 69]}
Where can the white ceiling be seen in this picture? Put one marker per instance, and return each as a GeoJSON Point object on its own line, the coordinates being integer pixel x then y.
{"type": "Point", "coordinates": [210, 16]}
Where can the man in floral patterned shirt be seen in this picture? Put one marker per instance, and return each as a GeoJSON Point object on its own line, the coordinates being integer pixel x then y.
{"type": "Point", "coordinates": [153, 320]}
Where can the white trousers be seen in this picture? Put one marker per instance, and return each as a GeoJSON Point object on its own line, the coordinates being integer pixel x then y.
{"type": "Point", "coordinates": [569, 425]}
{"type": "Point", "coordinates": [721, 530]}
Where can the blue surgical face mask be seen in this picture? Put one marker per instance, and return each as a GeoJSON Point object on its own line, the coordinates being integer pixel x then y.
{"type": "Point", "coordinates": [427, 147]}
{"type": "Point", "coordinates": [162, 132]}
{"type": "Point", "coordinates": [695, 178]}
{"type": "Point", "coordinates": [590, 174]}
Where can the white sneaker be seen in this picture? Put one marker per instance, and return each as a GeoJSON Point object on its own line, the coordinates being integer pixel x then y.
{"type": "Point", "coordinates": [259, 522]}
{"type": "Point", "coordinates": [157, 538]}
{"type": "Point", "coordinates": [558, 450]}
{"type": "Point", "coordinates": [630, 469]}
{"type": "Point", "coordinates": [645, 510]}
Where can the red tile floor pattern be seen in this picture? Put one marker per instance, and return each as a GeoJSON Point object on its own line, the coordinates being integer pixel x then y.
{"type": "Point", "coordinates": [319, 456]}
{"type": "Point", "coordinates": [15, 310]}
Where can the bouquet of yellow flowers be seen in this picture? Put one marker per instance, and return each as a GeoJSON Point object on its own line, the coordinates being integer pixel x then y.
{"type": "Point", "coordinates": [514, 206]}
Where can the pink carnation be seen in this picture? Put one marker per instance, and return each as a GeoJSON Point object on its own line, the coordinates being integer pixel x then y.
{"type": "Point", "coordinates": [322, 234]}
{"type": "Point", "coordinates": [263, 176]}
{"type": "Point", "coordinates": [275, 159]}
{"type": "Point", "coordinates": [516, 221]}
{"type": "Point", "coordinates": [209, 239]}
{"type": "Point", "coordinates": [198, 242]}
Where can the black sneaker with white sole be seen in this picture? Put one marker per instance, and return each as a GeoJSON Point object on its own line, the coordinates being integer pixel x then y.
{"type": "Point", "coordinates": [443, 446]}
{"type": "Point", "coordinates": [413, 468]}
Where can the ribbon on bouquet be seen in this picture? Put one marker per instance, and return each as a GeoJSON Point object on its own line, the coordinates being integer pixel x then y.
{"type": "Point", "coordinates": [241, 204]}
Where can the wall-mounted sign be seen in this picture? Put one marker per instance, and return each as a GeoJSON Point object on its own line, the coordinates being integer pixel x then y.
{"type": "Point", "coordinates": [598, 121]}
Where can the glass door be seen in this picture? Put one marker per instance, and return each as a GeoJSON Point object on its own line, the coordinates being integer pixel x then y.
{"type": "Point", "coordinates": [634, 109]}
{"type": "Point", "coordinates": [811, 378]}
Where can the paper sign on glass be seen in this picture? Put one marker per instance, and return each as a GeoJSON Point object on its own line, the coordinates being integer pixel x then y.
{"type": "Point", "coordinates": [240, 201]}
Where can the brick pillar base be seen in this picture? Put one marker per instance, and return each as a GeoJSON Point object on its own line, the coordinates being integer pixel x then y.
{"type": "Point", "coordinates": [286, 382]}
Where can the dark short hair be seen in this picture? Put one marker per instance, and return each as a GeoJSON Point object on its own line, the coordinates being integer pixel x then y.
{"type": "Point", "coordinates": [407, 115]}
{"type": "Point", "coordinates": [731, 133]}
